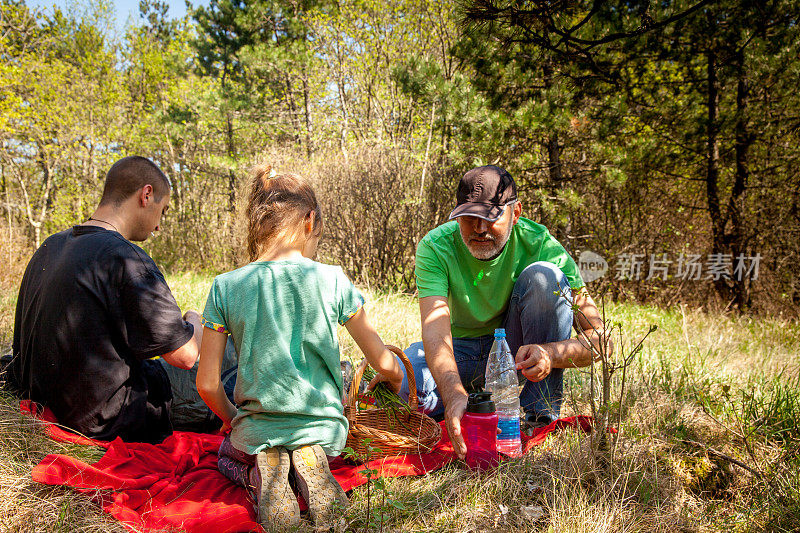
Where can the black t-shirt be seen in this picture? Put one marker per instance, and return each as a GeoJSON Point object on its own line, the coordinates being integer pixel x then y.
{"type": "Point", "coordinates": [92, 308]}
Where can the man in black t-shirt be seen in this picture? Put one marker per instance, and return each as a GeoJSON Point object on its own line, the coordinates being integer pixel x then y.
{"type": "Point", "coordinates": [93, 309]}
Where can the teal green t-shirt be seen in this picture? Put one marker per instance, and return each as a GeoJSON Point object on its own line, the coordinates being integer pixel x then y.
{"type": "Point", "coordinates": [282, 317]}
{"type": "Point", "coordinates": [478, 291]}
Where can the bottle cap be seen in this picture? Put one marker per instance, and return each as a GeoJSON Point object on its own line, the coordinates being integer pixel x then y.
{"type": "Point", "coordinates": [480, 402]}
{"type": "Point", "coordinates": [500, 333]}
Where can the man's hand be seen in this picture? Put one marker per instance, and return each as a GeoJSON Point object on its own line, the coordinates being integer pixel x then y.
{"type": "Point", "coordinates": [186, 356]}
{"type": "Point", "coordinates": [534, 361]}
{"type": "Point", "coordinates": [453, 411]}
{"type": "Point", "coordinates": [192, 316]}
{"type": "Point", "coordinates": [394, 385]}
{"type": "Point", "coordinates": [438, 343]}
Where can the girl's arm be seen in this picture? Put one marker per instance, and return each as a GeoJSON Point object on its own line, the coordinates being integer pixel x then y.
{"type": "Point", "coordinates": [374, 350]}
{"type": "Point", "coordinates": [209, 369]}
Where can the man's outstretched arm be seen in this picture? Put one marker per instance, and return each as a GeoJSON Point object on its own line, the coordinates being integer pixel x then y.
{"type": "Point", "coordinates": [186, 356]}
{"type": "Point", "coordinates": [537, 360]}
{"type": "Point", "coordinates": [437, 342]}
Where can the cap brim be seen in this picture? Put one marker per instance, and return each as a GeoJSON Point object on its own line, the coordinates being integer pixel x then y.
{"type": "Point", "coordinates": [488, 212]}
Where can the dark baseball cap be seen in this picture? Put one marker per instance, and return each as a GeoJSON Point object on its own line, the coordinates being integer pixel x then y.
{"type": "Point", "coordinates": [483, 192]}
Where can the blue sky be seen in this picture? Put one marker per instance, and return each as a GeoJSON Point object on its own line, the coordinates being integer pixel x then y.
{"type": "Point", "coordinates": [124, 8]}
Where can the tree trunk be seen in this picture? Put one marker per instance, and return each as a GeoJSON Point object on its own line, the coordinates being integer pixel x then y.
{"type": "Point", "coordinates": [309, 148]}
{"type": "Point", "coordinates": [231, 186]}
{"type": "Point", "coordinates": [735, 206]}
{"type": "Point", "coordinates": [712, 165]}
{"type": "Point", "coordinates": [558, 183]}
{"type": "Point", "coordinates": [427, 151]}
{"type": "Point", "coordinates": [48, 181]}
{"type": "Point", "coordinates": [292, 109]}
{"type": "Point", "coordinates": [345, 119]}
{"type": "Point", "coordinates": [554, 166]}
{"type": "Point", "coordinates": [8, 214]}
{"type": "Point", "coordinates": [232, 156]}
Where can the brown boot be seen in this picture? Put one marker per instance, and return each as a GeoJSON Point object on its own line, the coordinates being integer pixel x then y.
{"type": "Point", "coordinates": [316, 484]}
{"type": "Point", "coordinates": [277, 504]}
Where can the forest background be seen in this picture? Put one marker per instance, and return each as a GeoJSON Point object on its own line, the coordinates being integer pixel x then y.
{"type": "Point", "coordinates": [661, 136]}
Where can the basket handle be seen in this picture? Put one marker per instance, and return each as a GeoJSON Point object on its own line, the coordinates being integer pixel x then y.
{"type": "Point", "coordinates": [413, 402]}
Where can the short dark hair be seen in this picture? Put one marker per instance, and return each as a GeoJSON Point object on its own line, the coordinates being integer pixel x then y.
{"type": "Point", "coordinates": [130, 174]}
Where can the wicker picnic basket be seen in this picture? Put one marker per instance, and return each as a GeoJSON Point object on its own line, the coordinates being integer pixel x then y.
{"type": "Point", "coordinates": [382, 432]}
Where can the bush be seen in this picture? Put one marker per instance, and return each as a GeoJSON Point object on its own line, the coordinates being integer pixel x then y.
{"type": "Point", "coordinates": [376, 212]}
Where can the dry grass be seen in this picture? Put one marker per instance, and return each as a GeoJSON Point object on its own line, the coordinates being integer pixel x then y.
{"type": "Point", "coordinates": [395, 317]}
{"type": "Point", "coordinates": [690, 384]}
{"type": "Point", "coordinates": [14, 254]}
{"type": "Point", "coordinates": [26, 506]}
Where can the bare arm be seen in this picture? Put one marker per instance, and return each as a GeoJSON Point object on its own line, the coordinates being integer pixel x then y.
{"type": "Point", "coordinates": [209, 369]}
{"type": "Point", "coordinates": [437, 341]}
{"type": "Point", "coordinates": [186, 356]}
{"type": "Point", "coordinates": [537, 360]}
{"type": "Point", "coordinates": [375, 350]}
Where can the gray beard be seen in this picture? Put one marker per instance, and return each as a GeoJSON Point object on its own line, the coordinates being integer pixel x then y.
{"type": "Point", "coordinates": [485, 254]}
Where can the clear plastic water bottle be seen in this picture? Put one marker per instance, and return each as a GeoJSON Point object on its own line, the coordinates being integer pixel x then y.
{"type": "Point", "coordinates": [501, 380]}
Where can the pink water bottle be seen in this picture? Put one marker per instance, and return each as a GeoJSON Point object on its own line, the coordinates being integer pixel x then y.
{"type": "Point", "coordinates": [479, 426]}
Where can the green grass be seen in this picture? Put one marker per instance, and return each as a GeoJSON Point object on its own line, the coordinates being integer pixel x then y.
{"type": "Point", "coordinates": [728, 383]}
{"type": "Point", "coordinates": [190, 289]}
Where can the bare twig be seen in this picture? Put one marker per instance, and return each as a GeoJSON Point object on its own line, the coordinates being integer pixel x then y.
{"type": "Point", "coordinates": [598, 342]}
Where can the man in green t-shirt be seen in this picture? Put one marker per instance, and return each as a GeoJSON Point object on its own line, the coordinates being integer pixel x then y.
{"type": "Point", "coordinates": [490, 268]}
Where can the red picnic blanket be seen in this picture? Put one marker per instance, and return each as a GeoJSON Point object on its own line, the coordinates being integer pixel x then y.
{"type": "Point", "coordinates": [176, 484]}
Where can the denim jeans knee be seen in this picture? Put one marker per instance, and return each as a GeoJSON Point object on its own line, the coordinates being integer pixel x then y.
{"type": "Point", "coordinates": [539, 312]}
{"type": "Point", "coordinates": [430, 401]}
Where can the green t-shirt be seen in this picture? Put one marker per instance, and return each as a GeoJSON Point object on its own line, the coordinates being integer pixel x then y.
{"type": "Point", "coordinates": [283, 317]}
{"type": "Point", "coordinates": [478, 291]}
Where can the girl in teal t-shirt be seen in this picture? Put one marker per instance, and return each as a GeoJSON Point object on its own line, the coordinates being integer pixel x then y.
{"type": "Point", "coordinates": [282, 311]}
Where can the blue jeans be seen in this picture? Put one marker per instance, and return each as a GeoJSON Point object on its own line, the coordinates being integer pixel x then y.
{"type": "Point", "coordinates": [189, 411]}
{"type": "Point", "coordinates": [535, 316]}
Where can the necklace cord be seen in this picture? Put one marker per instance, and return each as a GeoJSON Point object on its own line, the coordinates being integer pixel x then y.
{"type": "Point", "coordinates": [104, 222]}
